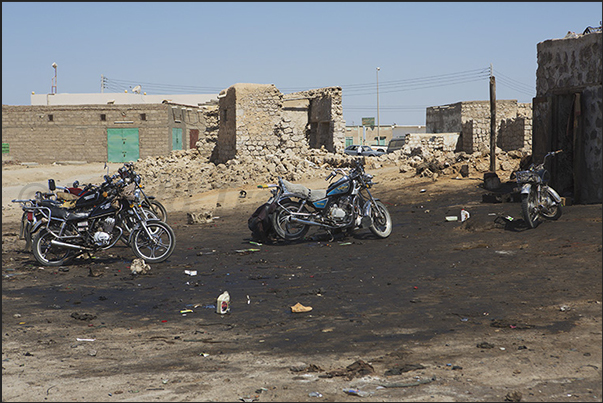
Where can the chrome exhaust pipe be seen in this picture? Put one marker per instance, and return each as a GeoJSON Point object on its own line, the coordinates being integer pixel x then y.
{"type": "Point", "coordinates": [67, 245]}
{"type": "Point", "coordinates": [305, 222]}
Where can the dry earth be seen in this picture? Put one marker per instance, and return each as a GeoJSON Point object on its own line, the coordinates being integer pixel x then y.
{"type": "Point", "coordinates": [440, 311]}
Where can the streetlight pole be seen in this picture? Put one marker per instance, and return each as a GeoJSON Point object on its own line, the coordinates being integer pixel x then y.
{"type": "Point", "coordinates": [378, 136]}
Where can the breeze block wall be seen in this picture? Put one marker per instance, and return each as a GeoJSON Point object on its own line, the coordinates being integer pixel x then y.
{"type": "Point", "coordinates": [47, 134]}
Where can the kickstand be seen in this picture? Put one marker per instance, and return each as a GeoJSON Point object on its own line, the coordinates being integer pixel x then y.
{"type": "Point", "coordinates": [331, 237]}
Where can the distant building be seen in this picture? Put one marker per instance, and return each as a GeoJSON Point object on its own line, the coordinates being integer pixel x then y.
{"type": "Point", "coordinates": [367, 135]}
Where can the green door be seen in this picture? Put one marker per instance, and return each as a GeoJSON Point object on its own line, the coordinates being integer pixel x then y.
{"type": "Point", "coordinates": [122, 145]}
{"type": "Point", "coordinates": [176, 138]}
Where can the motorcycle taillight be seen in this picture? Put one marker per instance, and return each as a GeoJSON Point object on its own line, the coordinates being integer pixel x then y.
{"type": "Point", "coordinates": [30, 216]}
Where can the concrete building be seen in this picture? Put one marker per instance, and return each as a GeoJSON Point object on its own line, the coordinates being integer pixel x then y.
{"type": "Point", "coordinates": [568, 114]}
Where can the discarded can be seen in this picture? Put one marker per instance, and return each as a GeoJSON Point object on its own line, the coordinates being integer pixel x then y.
{"type": "Point", "coordinates": [223, 303]}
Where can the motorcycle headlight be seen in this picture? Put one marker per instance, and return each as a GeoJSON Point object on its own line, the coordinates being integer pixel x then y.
{"type": "Point", "coordinates": [137, 195]}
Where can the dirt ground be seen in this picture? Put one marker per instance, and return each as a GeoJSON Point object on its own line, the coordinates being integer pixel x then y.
{"type": "Point", "coordinates": [481, 310]}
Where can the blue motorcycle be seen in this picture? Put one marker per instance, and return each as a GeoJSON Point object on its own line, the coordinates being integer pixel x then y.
{"type": "Point", "coordinates": [346, 205]}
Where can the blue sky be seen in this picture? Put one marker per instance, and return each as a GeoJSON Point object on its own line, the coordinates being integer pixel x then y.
{"type": "Point", "coordinates": [428, 53]}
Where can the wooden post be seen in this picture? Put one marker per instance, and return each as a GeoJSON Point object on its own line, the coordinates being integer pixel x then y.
{"type": "Point", "coordinates": [492, 123]}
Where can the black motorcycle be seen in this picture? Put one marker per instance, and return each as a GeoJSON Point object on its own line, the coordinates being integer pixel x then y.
{"type": "Point", "coordinates": [67, 233]}
{"type": "Point", "coordinates": [344, 206]}
{"type": "Point", "coordinates": [129, 175]}
{"type": "Point", "coordinates": [538, 199]}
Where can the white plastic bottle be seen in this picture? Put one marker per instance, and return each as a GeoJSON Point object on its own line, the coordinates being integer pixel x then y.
{"type": "Point", "coordinates": [223, 303]}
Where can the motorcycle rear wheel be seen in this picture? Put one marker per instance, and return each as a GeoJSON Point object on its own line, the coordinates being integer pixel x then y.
{"type": "Point", "coordinates": [158, 209]}
{"type": "Point", "coordinates": [529, 209]}
{"type": "Point", "coordinates": [381, 224]}
{"type": "Point", "coordinates": [285, 229]}
{"type": "Point", "coordinates": [552, 209]}
{"type": "Point", "coordinates": [157, 248]}
{"type": "Point", "coordinates": [25, 231]}
{"type": "Point", "coordinates": [48, 254]}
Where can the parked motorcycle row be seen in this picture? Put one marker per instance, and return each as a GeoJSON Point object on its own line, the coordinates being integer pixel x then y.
{"type": "Point", "coordinates": [59, 226]}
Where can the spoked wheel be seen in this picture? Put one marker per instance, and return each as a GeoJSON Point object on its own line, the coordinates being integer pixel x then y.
{"type": "Point", "coordinates": [159, 210]}
{"type": "Point", "coordinates": [25, 231]}
{"type": "Point", "coordinates": [381, 224]}
{"type": "Point", "coordinates": [552, 209]}
{"type": "Point", "coordinates": [288, 230]}
{"type": "Point", "coordinates": [529, 209]}
{"type": "Point", "coordinates": [48, 254]}
{"type": "Point", "coordinates": [157, 247]}
{"type": "Point", "coordinates": [130, 222]}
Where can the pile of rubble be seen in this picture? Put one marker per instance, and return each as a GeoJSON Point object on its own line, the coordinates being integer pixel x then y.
{"type": "Point", "coordinates": [187, 172]}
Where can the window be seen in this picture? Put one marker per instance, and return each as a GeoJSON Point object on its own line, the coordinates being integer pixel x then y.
{"type": "Point", "coordinates": [50, 118]}
{"type": "Point", "coordinates": [143, 116]}
{"type": "Point", "coordinates": [103, 117]}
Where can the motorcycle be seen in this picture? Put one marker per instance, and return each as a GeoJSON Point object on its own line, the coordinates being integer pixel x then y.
{"type": "Point", "coordinates": [538, 199]}
{"type": "Point", "coordinates": [128, 174]}
{"type": "Point", "coordinates": [72, 198]}
{"type": "Point", "coordinates": [65, 234]}
{"type": "Point", "coordinates": [346, 205]}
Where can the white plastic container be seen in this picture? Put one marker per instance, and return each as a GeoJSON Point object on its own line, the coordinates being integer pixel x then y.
{"type": "Point", "coordinates": [223, 303]}
{"type": "Point", "coordinates": [464, 215]}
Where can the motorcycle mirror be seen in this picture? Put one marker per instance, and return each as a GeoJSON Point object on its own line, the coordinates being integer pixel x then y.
{"type": "Point", "coordinates": [51, 185]}
{"type": "Point", "coordinates": [76, 184]}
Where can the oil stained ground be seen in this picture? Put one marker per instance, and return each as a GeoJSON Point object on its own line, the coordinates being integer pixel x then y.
{"type": "Point", "coordinates": [428, 278]}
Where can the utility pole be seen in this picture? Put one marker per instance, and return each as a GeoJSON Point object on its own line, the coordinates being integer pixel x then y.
{"type": "Point", "coordinates": [378, 136]}
{"type": "Point", "coordinates": [53, 86]}
{"type": "Point", "coordinates": [492, 121]}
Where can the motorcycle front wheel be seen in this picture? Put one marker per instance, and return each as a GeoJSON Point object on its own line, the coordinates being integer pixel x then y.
{"type": "Point", "coordinates": [48, 254]}
{"type": "Point", "coordinates": [552, 209]}
{"type": "Point", "coordinates": [129, 222]}
{"type": "Point", "coordinates": [529, 209]}
{"type": "Point", "coordinates": [381, 224]}
{"type": "Point", "coordinates": [287, 230]}
{"type": "Point", "coordinates": [157, 247]}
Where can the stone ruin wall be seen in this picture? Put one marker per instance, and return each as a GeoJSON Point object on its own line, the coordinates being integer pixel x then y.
{"type": "Point", "coordinates": [568, 66]}
{"type": "Point", "coordinates": [445, 142]}
{"type": "Point", "coordinates": [472, 121]}
{"type": "Point", "coordinates": [326, 126]}
{"type": "Point", "coordinates": [256, 120]}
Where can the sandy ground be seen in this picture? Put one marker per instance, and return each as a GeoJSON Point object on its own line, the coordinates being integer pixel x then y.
{"type": "Point", "coordinates": [438, 311]}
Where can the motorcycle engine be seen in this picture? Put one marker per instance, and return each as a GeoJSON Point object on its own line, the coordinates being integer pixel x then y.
{"type": "Point", "coordinates": [339, 213]}
{"type": "Point", "coordinates": [102, 238]}
{"type": "Point", "coordinates": [108, 224]}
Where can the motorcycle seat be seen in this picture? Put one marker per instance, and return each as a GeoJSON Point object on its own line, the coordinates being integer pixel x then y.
{"type": "Point", "coordinates": [303, 192]}
{"type": "Point", "coordinates": [76, 215]}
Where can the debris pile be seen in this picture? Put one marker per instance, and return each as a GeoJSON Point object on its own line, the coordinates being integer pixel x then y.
{"type": "Point", "coordinates": [188, 172]}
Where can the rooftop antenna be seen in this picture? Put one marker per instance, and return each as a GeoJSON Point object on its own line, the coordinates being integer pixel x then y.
{"type": "Point", "coordinates": [53, 88]}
